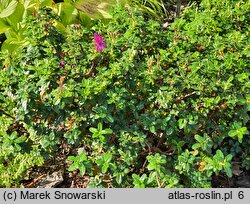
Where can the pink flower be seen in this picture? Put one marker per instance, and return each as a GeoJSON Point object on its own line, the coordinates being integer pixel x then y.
{"type": "Point", "coordinates": [99, 42]}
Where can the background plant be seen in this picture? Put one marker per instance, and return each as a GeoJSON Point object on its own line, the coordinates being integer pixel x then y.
{"type": "Point", "coordinates": [153, 8]}
{"type": "Point", "coordinates": [13, 16]}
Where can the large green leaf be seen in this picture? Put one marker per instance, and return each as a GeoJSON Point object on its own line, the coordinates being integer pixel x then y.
{"type": "Point", "coordinates": [8, 8]}
{"type": "Point", "coordinates": [66, 11]}
{"type": "Point", "coordinates": [95, 8]}
{"type": "Point", "coordinates": [29, 3]}
{"type": "Point", "coordinates": [17, 17]}
{"type": "Point", "coordinates": [48, 3]}
{"type": "Point", "coordinates": [12, 44]}
{"type": "Point", "coordinates": [3, 26]}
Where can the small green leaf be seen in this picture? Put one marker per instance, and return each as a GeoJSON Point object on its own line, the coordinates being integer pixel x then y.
{"type": "Point", "coordinates": [105, 167]}
{"type": "Point", "coordinates": [20, 139]}
{"type": "Point", "coordinates": [229, 157]}
{"type": "Point", "coordinates": [136, 178]}
{"type": "Point", "coordinates": [170, 131]}
{"type": "Point", "coordinates": [99, 127]}
{"type": "Point", "coordinates": [232, 133]}
{"type": "Point", "coordinates": [71, 158]}
{"type": "Point", "coordinates": [107, 131]}
{"type": "Point", "coordinates": [196, 146]}
{"type": "Point", "coordinates": [17, 147]}
{"type": "Point", "coordinates": [119, 178]}
{"type": "Point", "coordinates": [82, 169]}
{"type": "Point", "coordinates": [181, 123]}
{"type": "Point", "coordinates": [72, 167]}
{"type": "Point", "coordinates": [152, 177]}
{"type": "Point", "coordinates": [83, 156]}
{"type": "Point", "coordinates": [110, 118]}
{"type": "Point", "coordinates": [219, 154]}
{"type": "Point", "coordinates": [243, 130]}
{"type": "Point", "coordinates": [143, 177]}
{"type": "Point", "coordinates": [93, 130]}
{"type": "Point", "coordinates": [199, 138]}
{"type": "Point", "coordinates": [45, 142]}
{"type": "Point", "coordinates": [163, 88]}
{"type": "Point", "coordinates": [228, 169]}
{"type": "Point", "coordinates": [107, 157]}
{"type": "Point", "coordinates": [152, 129]}
{"type": "Point", "coordinates": [99, 161]}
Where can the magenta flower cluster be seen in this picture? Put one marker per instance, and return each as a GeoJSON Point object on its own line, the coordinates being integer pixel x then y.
{"type": "Point", "coordinates": [99, 42]}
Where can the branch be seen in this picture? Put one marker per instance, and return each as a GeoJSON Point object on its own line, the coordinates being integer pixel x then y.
{"type": "Point", "coordinates": [4, 113]}
{"type": "Point", "coordinates": [187, 95]}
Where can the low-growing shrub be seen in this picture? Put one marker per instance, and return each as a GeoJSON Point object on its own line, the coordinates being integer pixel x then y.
{"type": "Point", "coordinates": [151, 108]}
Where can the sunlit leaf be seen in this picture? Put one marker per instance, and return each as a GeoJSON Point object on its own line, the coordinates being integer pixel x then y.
{"type": "Point", "coordinates": [9, 9]}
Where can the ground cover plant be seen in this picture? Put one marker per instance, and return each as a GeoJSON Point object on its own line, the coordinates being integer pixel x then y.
{"type": "Point", "coordinates": [143, 105]}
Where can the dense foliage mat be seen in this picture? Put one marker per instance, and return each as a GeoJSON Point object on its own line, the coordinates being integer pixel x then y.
{"type": "Point", "coordinates": [151, 107]}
